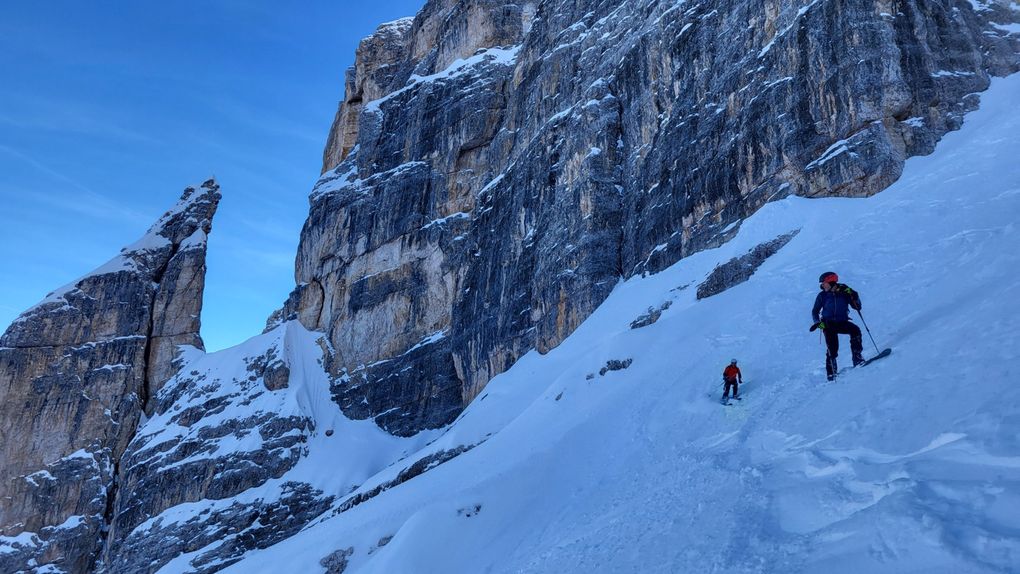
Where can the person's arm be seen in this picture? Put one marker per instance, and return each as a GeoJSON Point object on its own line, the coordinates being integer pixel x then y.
{"type": "Point", "coordinates": [816, 308]}
{"type": "Point", "coordinates": [855, 299]}
{"type": "Point", "coordinates": [740, 377]}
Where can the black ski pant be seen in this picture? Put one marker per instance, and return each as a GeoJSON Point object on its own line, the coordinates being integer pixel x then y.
{"type": "Point", "coordinates": [727, 383]}
{"type": "Point", "coordinates": [832, 331]}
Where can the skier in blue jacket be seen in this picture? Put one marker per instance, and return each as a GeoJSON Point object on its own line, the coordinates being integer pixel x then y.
{"type": "Point", "coordinates": [831, 314]}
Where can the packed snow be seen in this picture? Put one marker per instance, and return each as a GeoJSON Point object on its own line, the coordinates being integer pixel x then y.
{"type": "Point", "coordinates": [909, 464]}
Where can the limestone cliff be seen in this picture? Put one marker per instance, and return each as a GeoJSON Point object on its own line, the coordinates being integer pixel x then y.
{"type": "Point", "coordinates": [76, 375]}
{"type": "Point", "coordinates": [496, 168]}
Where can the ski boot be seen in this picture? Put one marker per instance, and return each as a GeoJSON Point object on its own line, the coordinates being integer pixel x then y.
{"type": "Point", "coordinates": [831, 368]}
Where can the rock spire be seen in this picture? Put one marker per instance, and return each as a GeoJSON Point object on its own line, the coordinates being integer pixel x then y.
{"type": "Point", "coordinates": [76, 374]}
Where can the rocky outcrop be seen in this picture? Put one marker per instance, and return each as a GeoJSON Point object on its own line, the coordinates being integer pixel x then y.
{"type": "Point", "coordinates": [650, 316]}
{"type": "Point", "coordinates": [223, 535]}
{"type": "Point", "coordinates": [739, 269]}
{"type": "Point", "coordinates": [336, 562]}
{"type": "Point", "coordinates": [615, 365]}
{"type": "Point", "coordinates": [206, 475]}
{"type": "Point", "coordinates": [76, 374]}
{"type": "Point", "coordinates": [495, 169]}
{"type": "Point", "coordinates": [418, 468]}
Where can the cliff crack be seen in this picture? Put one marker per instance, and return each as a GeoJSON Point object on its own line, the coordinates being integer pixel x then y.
{"type": "Point", "coordinates": [144, 397]}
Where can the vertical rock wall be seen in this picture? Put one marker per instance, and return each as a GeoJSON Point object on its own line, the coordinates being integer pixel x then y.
{"type": "Point", "coordinates": [76, 374]}
{"type": "Point", "coordinates": [495, 167]}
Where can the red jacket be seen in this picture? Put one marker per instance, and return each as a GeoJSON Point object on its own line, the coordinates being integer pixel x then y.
{"type": "Point", "coordinates": [732, 372]}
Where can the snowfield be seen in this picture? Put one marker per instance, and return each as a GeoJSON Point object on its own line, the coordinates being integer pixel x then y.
{"type": "Point", "coordinates": [911, 464]}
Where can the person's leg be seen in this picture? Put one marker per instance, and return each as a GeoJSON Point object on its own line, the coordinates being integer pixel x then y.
{"type": "Point", "coordinates": [831, 351]}
{"type": "Point", "coordinates": [856, 343]}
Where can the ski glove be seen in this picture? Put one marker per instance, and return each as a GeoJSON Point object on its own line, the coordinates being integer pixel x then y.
{"type": "Point", "coordinates": [818, 325]}
{"type": "Point", "coordinates": [855, 299]}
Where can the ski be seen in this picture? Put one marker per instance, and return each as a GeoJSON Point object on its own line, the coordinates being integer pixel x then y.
{"type": "Point", "coordinates": [881, 355]}
{"type": "Point", "coordinates": [845, 370]}
{"type": "Point", "coordinates": [729, 401]}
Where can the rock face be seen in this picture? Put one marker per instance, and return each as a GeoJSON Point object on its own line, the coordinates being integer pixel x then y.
{"type": "Point", "coordinates": [222, 428]}
{"type": "Point", "coordinates": [382, 55]}
{"type": "Point", "coordinates": [76, 374]}
{"type": "Point", "coordinates": [496, 168]}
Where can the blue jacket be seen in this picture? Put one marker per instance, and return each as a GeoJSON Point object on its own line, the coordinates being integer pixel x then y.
{"type": "Point", "coordinates": [835, 304]}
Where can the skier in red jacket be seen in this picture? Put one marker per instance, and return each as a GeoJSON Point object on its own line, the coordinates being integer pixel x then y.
{"type": "Point", "coordinates": [731, 377]}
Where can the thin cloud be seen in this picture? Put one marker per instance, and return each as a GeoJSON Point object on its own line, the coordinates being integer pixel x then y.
{"type": "Point", "coordinates": [66, 115]}
{"type": "Point", "coordinates": [93, 203]}
{"type": "Point", "coordinates": [261, 118]}
{"type": "Point", "coordinates": [79, 125]}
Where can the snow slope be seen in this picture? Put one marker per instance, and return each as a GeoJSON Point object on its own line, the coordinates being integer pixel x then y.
{"type": "Point", "coordinates": [909, 465]}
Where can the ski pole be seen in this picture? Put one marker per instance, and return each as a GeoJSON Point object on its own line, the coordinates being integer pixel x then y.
{"type": "Point", "coordinates": [865, 323]}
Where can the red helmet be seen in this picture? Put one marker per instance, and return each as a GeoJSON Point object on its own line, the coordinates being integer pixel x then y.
{"type": "Point", "coordinates": [828, 277]}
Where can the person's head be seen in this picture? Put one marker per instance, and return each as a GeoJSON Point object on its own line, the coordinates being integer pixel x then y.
{"type": "Point", "coordinates": [827, 280]}
{"type": "Point", "coordinates": [733, 362]}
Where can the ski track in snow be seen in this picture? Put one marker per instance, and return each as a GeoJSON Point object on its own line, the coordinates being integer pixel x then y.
{"type": "Point", "coordinates": [909, 464]}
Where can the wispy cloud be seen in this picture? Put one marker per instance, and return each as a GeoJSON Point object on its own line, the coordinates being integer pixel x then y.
{"type": "Point", "coordinates": [67, 115]}
{"type": "Point", "coordinates": [271, 121]}
{"type": "Point", "coordinates": [86, 202]}
{"type": "Point", "coordinates": [79, 124]}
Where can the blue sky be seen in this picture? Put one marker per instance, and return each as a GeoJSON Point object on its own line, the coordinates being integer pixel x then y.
{"type": "Point", "coordinates": [109, 109]}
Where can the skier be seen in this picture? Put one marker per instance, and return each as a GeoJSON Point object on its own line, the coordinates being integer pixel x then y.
{"type": "Point", "coordinates": [833, 303]}
{"type": "Point", "coordinates": [731, 377]}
